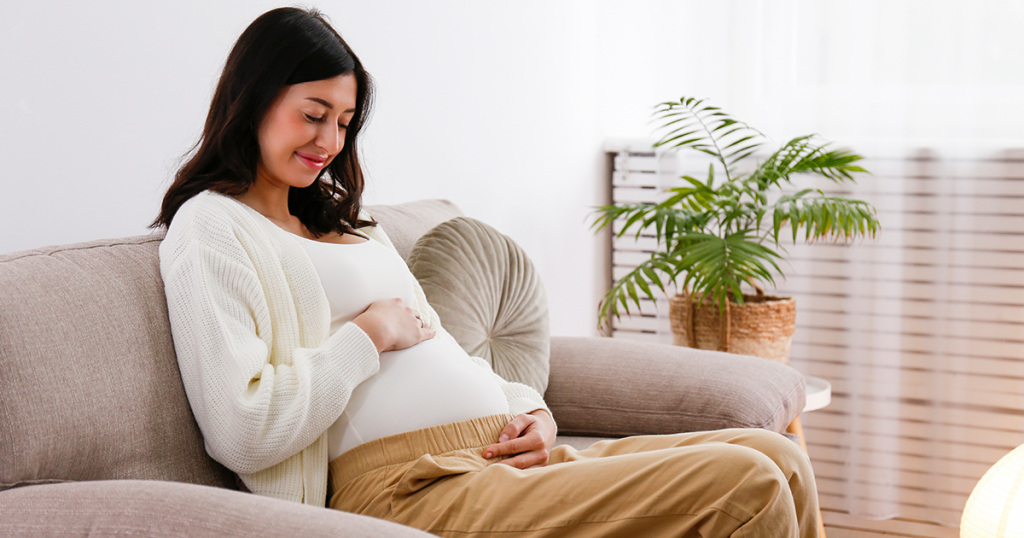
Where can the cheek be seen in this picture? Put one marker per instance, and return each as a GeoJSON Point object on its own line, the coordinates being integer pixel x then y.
{"type": "Point", "coordinates": [295, 132]}
{"type": "Point", "coordinates": [283, 135]}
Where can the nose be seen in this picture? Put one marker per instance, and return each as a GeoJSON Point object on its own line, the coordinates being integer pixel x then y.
{"type": "Point", "coordinates": [330, 139]}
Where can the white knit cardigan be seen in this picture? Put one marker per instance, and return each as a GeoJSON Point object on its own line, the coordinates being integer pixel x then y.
{"type": "Point", "coordinates": [251, 328]}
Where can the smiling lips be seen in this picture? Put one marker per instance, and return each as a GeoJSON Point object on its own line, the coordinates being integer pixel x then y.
{"type": "Point", "coordinates": [315, 162]}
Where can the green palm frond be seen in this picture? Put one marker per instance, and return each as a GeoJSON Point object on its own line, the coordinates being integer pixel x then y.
{"type": "Point", "coordinates": [657, 271]}
{"type": "Point", "coordinates": [690, 123]}
{"type": "Point", "coordinates": [717, 266]}
{"type": "Point", "coordinates": [821, 216]}
{"type": "Point", "coordinates": [685, 210]}
{"type": "Point", "coordinates": [803, 155]}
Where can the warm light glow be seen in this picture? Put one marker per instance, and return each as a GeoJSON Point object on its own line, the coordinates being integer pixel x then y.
{"type": "Point", "coordinates": [996, 506]}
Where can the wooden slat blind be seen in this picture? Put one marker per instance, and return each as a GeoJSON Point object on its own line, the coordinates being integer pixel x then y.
{"type": "Point", "coordinates": [920, 331]}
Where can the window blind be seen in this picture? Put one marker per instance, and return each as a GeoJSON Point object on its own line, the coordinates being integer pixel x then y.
{"type": "Point", "coordinates": [920, 331]}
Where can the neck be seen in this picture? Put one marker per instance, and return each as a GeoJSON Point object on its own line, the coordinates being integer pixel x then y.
{"type": "Point", "coordinates": [269, 200]}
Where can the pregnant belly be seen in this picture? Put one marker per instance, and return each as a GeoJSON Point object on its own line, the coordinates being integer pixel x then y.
{"type": "Point", "coordinates": [431, 383]}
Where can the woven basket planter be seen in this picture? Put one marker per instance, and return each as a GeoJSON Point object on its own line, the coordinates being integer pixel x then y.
{"type": "Point", "coordinates": [762, 327]}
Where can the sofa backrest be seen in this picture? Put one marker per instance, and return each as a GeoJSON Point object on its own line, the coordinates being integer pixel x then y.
{"type": "Point", "coordinates": [405, 223]}
{"type": "Point", "coordinates": [89, 383]}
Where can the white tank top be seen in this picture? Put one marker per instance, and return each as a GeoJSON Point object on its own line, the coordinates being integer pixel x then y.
{"type": "Point", "coordinates": [429, 384]}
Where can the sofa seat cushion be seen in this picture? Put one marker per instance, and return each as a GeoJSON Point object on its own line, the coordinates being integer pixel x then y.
{"type": "Point", "coordinates": [89, 383]}
{"type": "Point", "coordinates": [488, 295]}
{"type": "Point", "coordinates": [153, 509]}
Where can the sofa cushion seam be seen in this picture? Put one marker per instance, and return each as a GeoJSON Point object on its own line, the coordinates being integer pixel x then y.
{"type": "Point", "coordinates": [31, 254]}
{"type": "Point", "coordinates": [37, 482]}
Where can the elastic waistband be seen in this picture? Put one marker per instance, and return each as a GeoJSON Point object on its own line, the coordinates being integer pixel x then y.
{"type": "Point", "coordinates": [409, 446]}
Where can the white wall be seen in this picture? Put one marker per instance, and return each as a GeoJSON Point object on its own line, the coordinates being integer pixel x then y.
{"type": "Point", "coordinates": [492, 107]}
{"type": "Point", "coordinates": [500, 107]}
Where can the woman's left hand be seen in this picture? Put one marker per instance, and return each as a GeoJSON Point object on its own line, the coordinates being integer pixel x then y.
{"type": "Point", "coordinates": [528, 438]}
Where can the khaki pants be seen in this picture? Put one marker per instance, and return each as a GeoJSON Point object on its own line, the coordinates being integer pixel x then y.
{"type": "Point", "coordinates": [745, 482]}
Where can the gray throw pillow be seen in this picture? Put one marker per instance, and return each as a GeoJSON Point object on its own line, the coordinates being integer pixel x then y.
{"type": "Point", "coordinates": [488, 295]}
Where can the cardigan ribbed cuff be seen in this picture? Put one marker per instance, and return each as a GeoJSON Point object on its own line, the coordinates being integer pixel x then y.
{"type": "Point", "coordinates": [355, 351]}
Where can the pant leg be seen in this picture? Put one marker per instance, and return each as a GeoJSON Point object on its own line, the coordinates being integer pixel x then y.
{"type": "Point", "coordinates": [658, 486]}
{"type": "Point", "coordinates": [790, 458]}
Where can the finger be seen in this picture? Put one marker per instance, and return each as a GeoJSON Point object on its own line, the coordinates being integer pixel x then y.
{"type": "Point", "coordinates": [533, 440]}
{"type": "Point", "coordinates": [516, 427]}
{"type": "Point", "coordinates": [502, 449]}
{"type": "Point", "coordinates": [509, 441]}
{"type": "Point", "coordinates": [526, 460]}
{"type": "Point", "coordinates": [526, 443]}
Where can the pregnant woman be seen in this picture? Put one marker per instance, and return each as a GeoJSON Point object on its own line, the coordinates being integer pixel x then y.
{"type": "Point", "coordinates": [314, 365]}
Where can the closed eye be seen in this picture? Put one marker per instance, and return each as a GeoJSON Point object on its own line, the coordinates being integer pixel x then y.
{"type": "Point", "coordinates": [314, 119]}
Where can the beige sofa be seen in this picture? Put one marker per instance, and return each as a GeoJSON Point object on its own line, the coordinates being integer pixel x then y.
{"type": "Point", "coordinates": [97, 438]}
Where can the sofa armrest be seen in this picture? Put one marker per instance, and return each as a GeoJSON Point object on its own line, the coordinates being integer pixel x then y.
{"type": "Point", "coordinates": [151, 509]}
{"type": "Point", "coordinates": [616, 388]}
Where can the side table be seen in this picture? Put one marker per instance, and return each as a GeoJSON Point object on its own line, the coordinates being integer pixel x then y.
{"type": "Point", "coordinates": [819, 395]}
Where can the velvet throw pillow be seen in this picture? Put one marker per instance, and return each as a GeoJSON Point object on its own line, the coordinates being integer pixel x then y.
{"type": "Point", "coordinates": [488, 295]}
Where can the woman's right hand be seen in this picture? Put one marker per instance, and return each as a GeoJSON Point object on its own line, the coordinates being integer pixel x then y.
{"type": "Point", "coordinates": [392, 325]}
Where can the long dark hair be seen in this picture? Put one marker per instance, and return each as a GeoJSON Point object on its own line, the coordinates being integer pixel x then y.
{"type": "Point", "coordinates": [282, 47]}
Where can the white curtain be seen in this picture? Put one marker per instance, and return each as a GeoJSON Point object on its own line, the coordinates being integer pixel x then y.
{"type": "Point", "coordinates": [921, 331]}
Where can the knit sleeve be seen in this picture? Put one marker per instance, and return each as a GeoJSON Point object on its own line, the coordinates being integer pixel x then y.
{"type": "Point", "coordinates": [257, 396]}
{"type": "Point", "coordinates": [521, 398]}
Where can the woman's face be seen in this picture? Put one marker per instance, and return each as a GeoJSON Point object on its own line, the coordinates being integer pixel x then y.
{"type": "Point", "coordinates": [304, 129]}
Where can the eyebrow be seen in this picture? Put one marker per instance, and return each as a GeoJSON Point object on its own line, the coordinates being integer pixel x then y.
{"type": "Point", "coordinates": [326, 104]}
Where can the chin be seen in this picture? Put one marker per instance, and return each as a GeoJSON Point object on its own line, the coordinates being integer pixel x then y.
{"type": "Point", "coordinates": [301, 182]}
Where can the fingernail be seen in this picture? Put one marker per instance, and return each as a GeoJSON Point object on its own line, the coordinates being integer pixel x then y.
{"type": "Point", "coordinates": [487, 455]}
{"type": "Point", "coordinates": [503, 438]}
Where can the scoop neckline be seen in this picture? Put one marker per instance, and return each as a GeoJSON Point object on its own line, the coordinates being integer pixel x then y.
{"type": "Point", "coordinates": [274, 224]}
{"type": "Point", "coordinates": [319, 242]}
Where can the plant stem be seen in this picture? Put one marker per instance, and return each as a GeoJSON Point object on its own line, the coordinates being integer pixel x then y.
{"type": "Point", "coordinates": [692, 340]}
{"type": "Point", "coordinates": [726, 329]}
{"type": "Point", "coordinates": [759, 289]}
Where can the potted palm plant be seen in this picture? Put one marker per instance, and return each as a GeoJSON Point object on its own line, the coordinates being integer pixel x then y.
{"type": "Point", "coordinates": [718, 234]}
